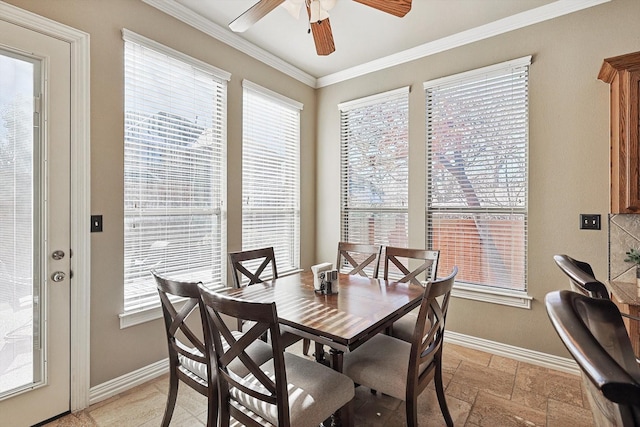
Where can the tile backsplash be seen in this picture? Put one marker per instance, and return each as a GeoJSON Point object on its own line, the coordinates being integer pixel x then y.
{"type": "Point", "coordinates": [624, 234]}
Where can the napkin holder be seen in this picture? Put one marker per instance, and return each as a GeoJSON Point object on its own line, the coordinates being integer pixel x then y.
{"type": "Point", "coordinates": [325, 278]}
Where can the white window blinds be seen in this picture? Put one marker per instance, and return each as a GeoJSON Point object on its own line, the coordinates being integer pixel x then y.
{"type": "Point", "coordinates": [477, 148]}
{"type": "Point", "coordinates": [374, 179]}
{"type": "Point", "coordinates": [174, 169]}
{"type": "Point", "coordinates": [271, 174]}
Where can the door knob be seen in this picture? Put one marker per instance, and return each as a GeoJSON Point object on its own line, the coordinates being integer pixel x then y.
{"type": "Point", "coordinates": [58, 276]}
{"type": "Point", "coordinates": [57, 255]}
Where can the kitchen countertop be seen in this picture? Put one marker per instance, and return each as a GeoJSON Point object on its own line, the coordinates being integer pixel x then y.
{"type": "Point", "coordinates": [625, 292]}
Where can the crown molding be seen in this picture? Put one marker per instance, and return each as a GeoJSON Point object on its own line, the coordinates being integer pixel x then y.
{"type": "Point", "coordinates": [501, 26]}
{"type": "Point", "coordinates": [186, 15]}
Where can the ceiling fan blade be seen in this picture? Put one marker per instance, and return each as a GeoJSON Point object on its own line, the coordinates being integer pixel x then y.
{"type": "Point", "coordinates": [323, 37]}
{"type": "Point", "coordinates": [253, 14]}
{"type": "Point", "coordinates": [398, 8]}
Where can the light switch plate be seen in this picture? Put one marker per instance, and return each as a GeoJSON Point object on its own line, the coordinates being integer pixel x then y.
{"type": "Point", "coordinates": [589, 221]}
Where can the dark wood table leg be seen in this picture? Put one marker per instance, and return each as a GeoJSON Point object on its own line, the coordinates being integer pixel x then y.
{"type": "Point", "coordinates": [320, 354]}
{"type": "Point", "coordinates": [336, 359]}
{"type": "Point", "coordinates": [346, 415]}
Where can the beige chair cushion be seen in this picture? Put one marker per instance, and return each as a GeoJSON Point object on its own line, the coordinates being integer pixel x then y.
{"type": "Point", "coordinates": [403, 328]}
{"type": "Point", "coordinates": [381, 364]}
{"type": "Point", "coordinates": [190, 366]}
{"type": "Point", "coordinates": [315, 392]}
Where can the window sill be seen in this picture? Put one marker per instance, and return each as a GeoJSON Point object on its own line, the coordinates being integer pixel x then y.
{"type": "Point", "coordinates": [133, 318]}
{"type": "Point", "coordinates": [290, 272]}
{"type": "Point", "coordinates": [517, 299]}
{"type": "Point", "coordinates": [147, 314]}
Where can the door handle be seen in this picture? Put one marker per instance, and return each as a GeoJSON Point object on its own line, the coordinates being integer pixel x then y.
{"type": "Point", "coordinates": [58, 276]}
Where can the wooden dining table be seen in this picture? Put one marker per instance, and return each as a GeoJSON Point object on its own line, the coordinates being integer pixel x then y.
{"type": "Point", "coordinates": [361, 308]}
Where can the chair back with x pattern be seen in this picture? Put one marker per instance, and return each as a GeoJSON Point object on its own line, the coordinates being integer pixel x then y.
{"type": "Point", "coordinates": [239, 270]}
{"type": "Point", "coordinates": [426, 346]}
{"type": "Point", "coordinates": [360, 257]}
{"type": "Point", "coordinates": [188, 360]}
{"type": "Point", "coordinates": [429, 264]}
{"type": "Point", "coordinates": [258, 385]}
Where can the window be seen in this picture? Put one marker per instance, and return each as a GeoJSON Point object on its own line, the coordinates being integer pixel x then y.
{"type": "Point", "coordinates": [374, 140]}
{"type": "Point", "coordinates": [271, 174]}
{"type": "Point", "coordinates": [477, 143]}
{"type": "Point", "coordinates": [174, 170]}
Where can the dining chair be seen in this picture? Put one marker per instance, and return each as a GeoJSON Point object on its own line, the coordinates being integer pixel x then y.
{"type": "Point", "coordinates": [188, 358]}
{"type": "Point", "coordinates": [247, 267]}
{"type": "Point", "coordinates": [594, 333]}
{"type": "Point", "coordinates": [395, 256]}
{"type": "Point", "coordinates": [357, 258]}
{"type": "Point", "coordinates": [402, 369]}
{"type": "Point", "coordinates": [288, 390]}
{"type": "Point", "coordinates": [403, 327]}
{"type": "Point", "coordinates": [262, 258]}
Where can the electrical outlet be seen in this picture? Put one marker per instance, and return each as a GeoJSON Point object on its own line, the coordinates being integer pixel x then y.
{"type": "Point", "coordinates": [589, 221]}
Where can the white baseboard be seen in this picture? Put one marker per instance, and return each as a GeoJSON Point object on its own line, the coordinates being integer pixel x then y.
{"type": "Point", "coordinates": [125, 382]}
{"type": "Point", "coordinates": [521, 354]}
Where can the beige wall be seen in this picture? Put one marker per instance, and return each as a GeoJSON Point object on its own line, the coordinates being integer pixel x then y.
{"type": "Point", "coordinates": [569, 149]}
{"type": "Point", "coordinates": [116, 352]}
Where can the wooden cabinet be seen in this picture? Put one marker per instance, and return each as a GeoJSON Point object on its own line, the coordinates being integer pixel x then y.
{"type": "Point", "coordinates": [623, 74]}
{"type": "Point", "coordinates": [633, 327]}
{"type": "Point", "coordinates": [626, 296]}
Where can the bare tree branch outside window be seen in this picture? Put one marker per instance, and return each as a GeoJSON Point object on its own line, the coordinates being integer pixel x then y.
{"type": "Point", "coordinates": [477, 132]}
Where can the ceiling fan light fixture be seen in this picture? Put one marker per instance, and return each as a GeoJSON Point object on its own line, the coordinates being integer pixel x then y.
{"type": "Point", "coordinates": [327, 4]}
{"type": "Point", "coordinates": [317, 12]}
{"type": "Point", "coordinates": [293, 7]}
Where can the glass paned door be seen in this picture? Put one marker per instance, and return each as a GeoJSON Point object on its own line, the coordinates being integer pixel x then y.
{"type": "Point", "coordinates": [21, 356]}
{"type": "Point", "coordinates": [35, 236]}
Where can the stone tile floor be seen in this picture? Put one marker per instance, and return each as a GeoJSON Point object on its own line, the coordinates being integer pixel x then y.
{"type": "Point", "coordinates": [482, 390]}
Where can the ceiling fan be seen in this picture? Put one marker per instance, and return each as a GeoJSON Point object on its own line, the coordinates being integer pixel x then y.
{"type": "Point", "coordinates": [317, 12]}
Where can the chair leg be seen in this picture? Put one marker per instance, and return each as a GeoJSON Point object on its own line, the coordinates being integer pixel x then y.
{"type": "Point", "coordinates": [212, 409]}
{"type": "Point", "coordinates": [440, 392]}
{"type": "Point", "coordinates": [411, 409]}
{"type": "Point", "coordinates": [346, 414]}
{"type": "Point", "coordinates": [306, 343]}
{"type": "Point", "coordinates": [319, 353]}
{"type": "Point", "coordinates": [171, 397]}
{"type": "Point", "coordinates": [225, 412]}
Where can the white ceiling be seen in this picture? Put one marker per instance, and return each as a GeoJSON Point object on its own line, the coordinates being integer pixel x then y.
{"type": "Point", "coordinates": [365, 38]}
